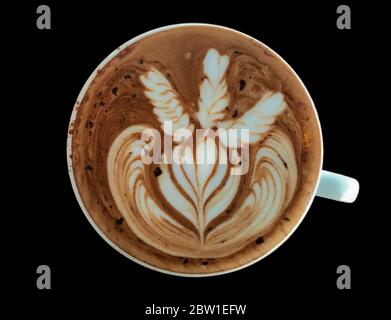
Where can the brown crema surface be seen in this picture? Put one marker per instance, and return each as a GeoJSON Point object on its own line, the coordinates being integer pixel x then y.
{"type": "Point", "coordinates": [115, 100]}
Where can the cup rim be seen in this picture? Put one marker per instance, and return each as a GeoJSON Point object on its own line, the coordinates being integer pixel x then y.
{"type": "Point", "coordinates": [70, 164]}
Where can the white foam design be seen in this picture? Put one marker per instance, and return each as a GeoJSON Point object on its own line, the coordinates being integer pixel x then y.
{"type": "Point", "coordinates": [167, 103]}
{"type": "Point", "coordinates": [197, 196]}
{"type": "Point", "coordinates": [213, 91]}
{"type": "Point", "coordinates": [260, 118]}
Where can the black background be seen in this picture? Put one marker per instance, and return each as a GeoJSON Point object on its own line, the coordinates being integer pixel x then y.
{"type": "Point", "coordinates": [337, 68]}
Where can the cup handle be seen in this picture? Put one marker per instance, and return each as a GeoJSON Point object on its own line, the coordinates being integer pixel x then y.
{"type": "Point", "coordinates": [337, 187]}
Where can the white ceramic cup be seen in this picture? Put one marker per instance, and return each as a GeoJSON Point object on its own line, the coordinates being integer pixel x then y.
{"type": "Point", "coordinates": [330, 185]}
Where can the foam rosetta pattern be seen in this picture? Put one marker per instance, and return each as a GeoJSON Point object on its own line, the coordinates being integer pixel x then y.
{"type": "Point", "coordinates": [201, 210]}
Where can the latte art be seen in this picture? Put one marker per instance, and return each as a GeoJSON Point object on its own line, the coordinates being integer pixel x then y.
{"type": "Point", "coordinates": [191, 220]}
{"type": "Point", "coordinates": [234, 164]}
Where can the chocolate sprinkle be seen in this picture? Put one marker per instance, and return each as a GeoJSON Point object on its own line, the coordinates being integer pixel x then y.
{"type": "Point", "coordinates": [157, 172]}
{"type": "Point", "coordinates": [119, 221]}
{"type": "Point", "coordinates": [242, 84]}
{"type": "Point", "coordinates": [89, 124]}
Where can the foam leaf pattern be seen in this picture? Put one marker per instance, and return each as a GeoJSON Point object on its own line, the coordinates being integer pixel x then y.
{"type": "Point", "coordinates": [260, 118]}
{"type": "Point", "coordinates": [214, 96]}
{"type": "Point", "coordinates": [168, 106]}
